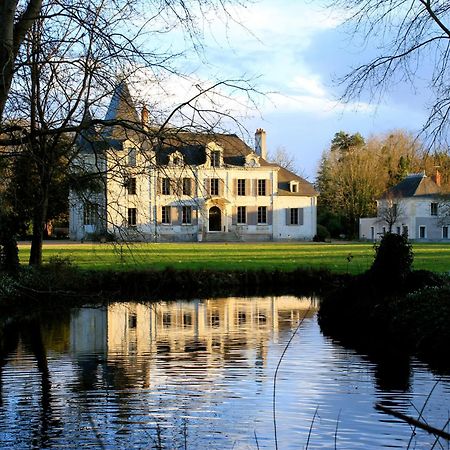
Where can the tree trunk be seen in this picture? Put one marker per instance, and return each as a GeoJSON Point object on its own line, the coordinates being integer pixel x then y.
{"type": "Point", "coordinates": [39, 220]}
{"type": "Point", "coordinates": [9, 253]}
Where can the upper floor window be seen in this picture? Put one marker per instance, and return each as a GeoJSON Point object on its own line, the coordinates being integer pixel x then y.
{"type": "Point", "coordinates": [241, 187]}
{"type": "Point", "coordinates": [434, 209]}
{"type": "Point", "coordinates": [215, 158]}
{"type": "Point", "coordinates": [165, 186]}
{"type": "Point", "coordinates": [214, 186]}
{"type": "Point", "coordinates": [132, 217]}
{"type": "Point", "coordinates": [131, 186]}
{"type": "Point", "coordinates": [132, 157]}
{"type": "Point", "coordinates": [187, 186]}
{"type": "Point", "coordinates": [294, 187]}
{"type": "Point", "coordinates": [261, 187]}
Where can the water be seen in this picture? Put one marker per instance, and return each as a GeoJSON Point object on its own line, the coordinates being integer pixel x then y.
{"type": "Point", "coordinates": [200, 375]}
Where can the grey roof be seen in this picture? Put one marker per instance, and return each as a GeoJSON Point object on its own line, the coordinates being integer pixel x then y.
{"type": "Point", "coordinates": [192, 145]}
{"type": "Point", "coordinates": [417, 185]}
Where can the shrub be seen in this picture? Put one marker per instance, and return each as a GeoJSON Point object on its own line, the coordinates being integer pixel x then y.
{"type": "Point", "coordinates": [322, 234]}
{"type": "Point", "coordinates": [393, 259]}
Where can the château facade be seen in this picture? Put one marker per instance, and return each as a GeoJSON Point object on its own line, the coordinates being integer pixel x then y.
{"type": "Point", "coordinates": [185, 186]}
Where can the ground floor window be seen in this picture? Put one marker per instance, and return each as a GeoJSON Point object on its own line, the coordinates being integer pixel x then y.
{"type": "Point", "coordinates": [292, 216]}
{"type": "Point", "coordinates": [445, 232]}
{"type": "Point", "coordinates": [241, 214]}
{"type": "Point", "coordinates": [187, 214]}
{"type": "Point", "coordinates": [372, 233]}
{"type": "Point", "coordinates": [90, 214]}
{"type": "Point", "coordinates": [398, 230]}
{"type": "Point", "coordinates": [405, 230]}
{"type": "Point", "coordinates": [262, 213]}
{"type": "Point", "coordinates": [165, 214]}
{"type": "Point", "coordinates": [422, 232]}
{"type": "Point", "coordinates": [132, 217]}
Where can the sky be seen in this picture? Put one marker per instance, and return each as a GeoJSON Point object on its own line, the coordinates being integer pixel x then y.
{"type": "Point", "coordinates": [294, 51]}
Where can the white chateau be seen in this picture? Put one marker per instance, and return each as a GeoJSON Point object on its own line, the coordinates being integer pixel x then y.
{"type": "Point", "coordinates": [184, 186]}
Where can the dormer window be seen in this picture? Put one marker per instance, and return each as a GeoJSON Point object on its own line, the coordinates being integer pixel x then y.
{"type": "Point", "coordinates": [214, 155]}
{"type": "Point", "coordinates": [293, 186]}
{"type": "Point", "coordinates": [132, 157]}
{"type": "Point", "coordinates": [215, 158]}
{"type": "Point", "coordinates": [176, 159]}
{"type": "Point", "coordinates": [252, 160]}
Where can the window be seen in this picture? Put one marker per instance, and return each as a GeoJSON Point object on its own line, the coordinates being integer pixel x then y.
{"type": "Point", "coordinates": [241, 187]}
{"type": "Point", "coordinates": [132, 321]}
{"type": "Point", "coordinates": [262, 214]}
{"type": "Point", "coordinates": [215, 158]}
{"type": "Point", "coordinates": [293, 216]}
{"type": "Point", "coordinates": [445, 232]}
{"type": "Point", "coordinates": [294, 187]}
{"type": "Point", "coordinates": [187, 319]}
{"type": "Point", "coordinates": [372, 233]}
{"type": "Point", "coordinates": [166, 320]}
{"type": "Point", "coordinates": [90, 214]}
{"type": "Point", "coordinates": [132, 157]}
{"type": "Point", "coordinates": [131, 186]}
{"type": "Point", "coordinates": [165, 214]}
{"type": "Point", "coordinates": [186, 215]}
{"type": "Point", "coordinates": [434, 209]}
{"type": "Point", "coordinates": [165, 186]}
{"type": "Point", "coordinates": [261, 187]}
{"type": "Point", "coordinates": [187, 186]}
{"type": "Point", "coordinates": [394, 210]}
{"type": "Point", "coordinates": [132, 214]}
{"type": "Point", "coordinates": [241, 214]}
{"type": "Point", "coordinates": [398, 230]}
{"type": "Point", "coordinates": [422, 231]}
{"type": "Point", "coordinates": [405, 230]}
{"type": "Point", "coordinates": [214, 186]}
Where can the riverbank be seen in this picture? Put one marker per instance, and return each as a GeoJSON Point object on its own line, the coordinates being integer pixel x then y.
{"type": "Point", "coordinates": [412, 319]}
{"type": "Point", "coordinates": [339, 257]}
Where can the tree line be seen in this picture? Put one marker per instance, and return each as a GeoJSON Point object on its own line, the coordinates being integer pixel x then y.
{"type": "Point", "coordinates": [354, 172]}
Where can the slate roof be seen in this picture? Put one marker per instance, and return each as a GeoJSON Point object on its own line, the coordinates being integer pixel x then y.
{"type": "Point", "coordinates": [417, 185]}
{"type": "Point", "coordinates": [192, 145]}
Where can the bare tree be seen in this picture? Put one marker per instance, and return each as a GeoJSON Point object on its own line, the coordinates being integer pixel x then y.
{"type": "Point", "coordinates": [413, 41]}
{"type": "Point", "coordinates": [390, 210]}
{"type": "Point", "coordinates": [283, 158]}
{"type": "Point", "coordinates": [63, 63]}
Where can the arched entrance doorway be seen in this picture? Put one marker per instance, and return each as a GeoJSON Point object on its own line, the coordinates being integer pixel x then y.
{"type": "Point", "coordinates": [215, 219]}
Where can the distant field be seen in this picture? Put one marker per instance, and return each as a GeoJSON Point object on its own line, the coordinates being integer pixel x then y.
{"type": "Point", "coordinates": [340, 257]}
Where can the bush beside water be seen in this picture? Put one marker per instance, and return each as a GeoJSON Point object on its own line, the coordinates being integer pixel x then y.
{"type": "Point", "coordinates": [391, 304]}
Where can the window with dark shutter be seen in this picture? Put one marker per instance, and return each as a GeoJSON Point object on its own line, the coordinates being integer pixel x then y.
{"type": "Point", "coordinates": [241, 215]}
{"type": "Point", "coordinates": [262, 214]}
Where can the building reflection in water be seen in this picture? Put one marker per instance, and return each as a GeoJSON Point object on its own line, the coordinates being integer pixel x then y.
{"type": "Point", "coordinates": [199, 336]}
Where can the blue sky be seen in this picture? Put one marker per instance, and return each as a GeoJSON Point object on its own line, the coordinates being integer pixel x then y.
{"type": "Point", "coordinates": [294, 50]}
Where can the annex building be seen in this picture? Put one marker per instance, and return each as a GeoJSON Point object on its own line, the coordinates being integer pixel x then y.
{"type": "Point", "coordinates": [416, 207]}
{"type": "Point", "coordinates": [184, 186]}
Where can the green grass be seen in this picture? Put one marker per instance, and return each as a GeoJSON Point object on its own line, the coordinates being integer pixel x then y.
{"type": "Point", "coordinates": [284, 256]}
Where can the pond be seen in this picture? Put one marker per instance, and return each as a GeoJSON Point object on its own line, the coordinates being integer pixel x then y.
{"type": "Point", "coordinates": [200, 374]}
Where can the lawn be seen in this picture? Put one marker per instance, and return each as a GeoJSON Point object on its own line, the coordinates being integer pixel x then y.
{"type": "Point", "coordinates": [339, 257]}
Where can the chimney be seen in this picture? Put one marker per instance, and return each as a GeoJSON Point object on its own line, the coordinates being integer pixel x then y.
{"type": "Point", "coordinates": [437, 177]}
{"type": "Point", "coordinates": [144, 115]}
{"type": "Point", "coordinates": [260, 143]}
